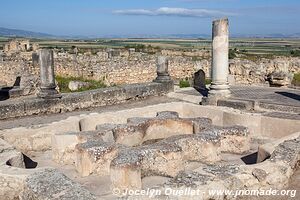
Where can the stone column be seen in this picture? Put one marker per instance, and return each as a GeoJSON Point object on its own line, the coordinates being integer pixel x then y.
{"type": "Point", "coordinates": [110, 53]}
{"type": "Point", "coordinates": [162, 70]}
{"type": "Point", "coordinates": [220, 50]}
{"type": "Point", "coordinates": [47, 88]}
{"type": "Point", "coordinates": [35, 59]}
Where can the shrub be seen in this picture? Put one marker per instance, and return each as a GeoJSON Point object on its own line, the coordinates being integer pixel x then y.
{"type": "Point", "coordinates": [138, 47]}
{"type": "Point", "coordinates": [232, 53]}
{"type": "Point", "coordinates": [295, 53]}
{"type": "Point", "coordinates": [296, 79]}
{"type": "Point", "coordinates": [207, 81]}
{"type": "Point", "coordinates": [184, 83]}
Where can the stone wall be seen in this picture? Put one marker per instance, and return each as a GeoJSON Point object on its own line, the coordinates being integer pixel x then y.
{"type": "Point", "coordinates": [250, 72]}
{"type": "Point", "coordinates": [17, 64]}
{"type": "Point", "coordinates": [137, 67]}
{"type": "Point", "coordinates": [81, 100]}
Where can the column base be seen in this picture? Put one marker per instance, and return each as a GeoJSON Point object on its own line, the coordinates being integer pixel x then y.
{"type": "Point", "coordinates": [221, 90]}
{"type": "Point", "coordinates": [49, 94]}
{"type": "Point", "coordinates": [162, 79]}
{"type": "Point", "coordinates": [215, 93]}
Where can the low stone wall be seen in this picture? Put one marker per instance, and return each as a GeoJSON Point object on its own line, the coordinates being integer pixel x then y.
{"type": "Point", "coordinates": [138, 67]}
{"type": "Point", "coordinates": [81, 100]}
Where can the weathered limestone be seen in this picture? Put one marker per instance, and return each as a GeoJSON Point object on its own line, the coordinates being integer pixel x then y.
{"type": "Point", "coordinates": [12, 171]}
{"type": "Point", "coordinates": [95, 157]}
{"type": "Point", "coordinates": [10, 156]}
{"type": "Point", "coordinates": [162, 64]}
{"type": "Point", "coordinates": [47, 88]}
{"type": "Point", "coordinates": [194, 160]}
{"type": "Point", "coordinates": [234, 139]}
{"type": "Point", "coordinates": [168, 157]}
{"type": "Point", "coordinates": [35, 184]}
{"type": "Point", "coordinates": [220, 64]}
{"type": "Point", "coordinates": [64, 144]}
{"type": "Point", "coordinates": [280, 78]}
{"type": "Point", "coordinates": [165, 158]}
{"type": "Point", "coordinates": [270, 174]}
{"type": "Point", "coordinates": [124, 176]}
{"type": "Point", "coordinates": [141, 130]}
{"type": "Point", "coordinates": [76, 85]}
{"type": "Point", "coordinates": [266, 150]}
{"type": "Point", "coordinates": [38, 138]}
{"type": "Point", "coordinates": [51, 184]}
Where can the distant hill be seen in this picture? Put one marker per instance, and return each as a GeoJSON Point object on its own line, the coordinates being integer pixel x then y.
{"type": "Point", "coordinates": [6, 32]}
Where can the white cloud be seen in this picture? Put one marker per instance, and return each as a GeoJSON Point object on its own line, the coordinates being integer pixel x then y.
{"type": "Point", "coordinates": [181, 12]}
{"type": "Point", "coordinates": [134, 12]}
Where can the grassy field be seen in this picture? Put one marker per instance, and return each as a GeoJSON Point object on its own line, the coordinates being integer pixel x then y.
{"type": "Point", "coordinates": [63, 84]}
{"type": "Point", "coordinates": [247, 46]}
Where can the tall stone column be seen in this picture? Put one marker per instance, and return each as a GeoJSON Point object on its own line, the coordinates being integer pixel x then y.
{"type": "Point", "coordinates": [35, 59]}
{"type": "Point", "coordinates": [162, 64]}
{"type": "Point", "coordinates": [220, 50]}
{"type": "Point", "coordinates": [47, 88]}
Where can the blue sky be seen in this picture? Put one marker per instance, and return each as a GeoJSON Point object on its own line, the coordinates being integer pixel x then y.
{"type": "Point", "coordinates": [131, 17]}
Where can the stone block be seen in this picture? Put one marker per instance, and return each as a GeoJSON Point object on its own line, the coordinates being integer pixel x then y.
{"type": "Point", "coordinates": [200, 147]}
{"type": "Point", "coordinates": [94, 157]}
{"type": "Point", "coordinates": [63, 145]}
{"type": "Point", "coordinates": [105, 132]}
{"type": "Point", "coordinates": [164, 128]}
{"type": "Point", "coordinates": [233, 139]}
{"type": "Point", "coordinates": [125, 177]}
{"type": "Point", "coordinates": [130, 135]}
{"type": "Point", "coordinates": [51, 184]}
{"type": "Point", "coordinates": [164, 158]}
{"type": "Point", "coordinates": [265, 150]}
{"type": "Point", "coordinates": [236, 104]}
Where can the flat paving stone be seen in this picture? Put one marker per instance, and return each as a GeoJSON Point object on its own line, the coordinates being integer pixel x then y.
{"type": "Point", "coordinates": [281, 96]}
{"type": "Point", "coordinates": [266, 95]}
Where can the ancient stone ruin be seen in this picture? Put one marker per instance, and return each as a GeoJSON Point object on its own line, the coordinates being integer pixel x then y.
{"type": "Point", "coordinates": [125, 139]}
{"type": "Point", "coordinates": [171, 145]}
{"type": "Point", "coordinates": [19, 46]}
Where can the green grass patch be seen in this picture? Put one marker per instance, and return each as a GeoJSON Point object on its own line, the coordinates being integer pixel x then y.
{"type": "Point", "coordinates": [232, 53]}
{"type": "Point", "coordinates": [184, 83]}
{"type": "Point", "coordinates": [295, 53]}
{"type": "Point", "coordinates": [208, 81]}
{"type": "Point", "coordinates": [63, 84]}
{"type": "Point", "coordinates": [296, 79]}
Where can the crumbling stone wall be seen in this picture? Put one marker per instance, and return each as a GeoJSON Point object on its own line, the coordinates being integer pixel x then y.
{"type": "Point", "coordinates": [126, 67]}
{"type": "Point", "coordinates": [18, 64]}
{"type": "Point", "coordinates": [19, 46]}
{"type": "Point", "coordinates": [250, 72]}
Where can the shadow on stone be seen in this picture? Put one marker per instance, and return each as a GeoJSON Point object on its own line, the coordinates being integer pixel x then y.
{"type": "Point", "coordinates": [199, 82]}
{"type": "Point", "coordinates": [17, 82]}
{"type": "Point", "coordinates": [4, 93]}
{"type": "Point", "coordinates": [289, 95]}
{"type": "Point", "coordinates": [250, 159]}
{"type": "Point", "coordinates": [29, 164]}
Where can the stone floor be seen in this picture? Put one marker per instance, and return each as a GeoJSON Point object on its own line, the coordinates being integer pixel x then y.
{"type": "Point", "coordinates": [282, 96]}
{"type": "Point", "coordinates": [265, 95]}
